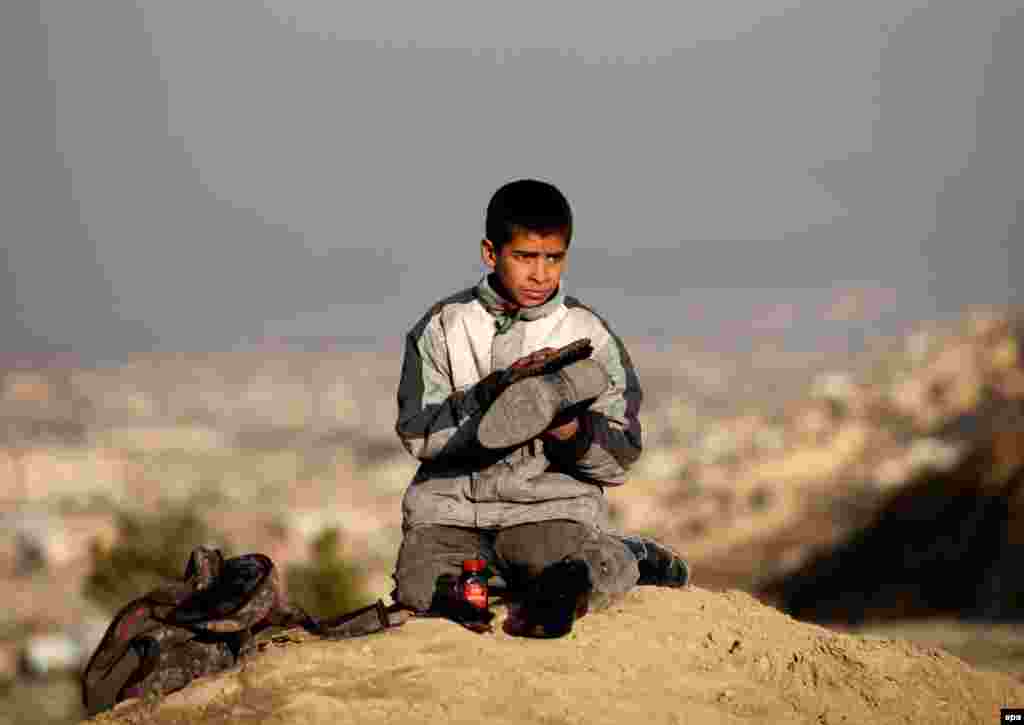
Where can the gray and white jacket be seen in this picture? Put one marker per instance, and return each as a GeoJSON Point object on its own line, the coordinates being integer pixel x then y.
{"type": "Point", "coordinates": [459, 483]}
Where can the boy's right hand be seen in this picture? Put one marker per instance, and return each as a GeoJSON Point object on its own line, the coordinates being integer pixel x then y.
{"type": "Point", "coordinates": [533, 358]}
{"type": "Point", "coordinates": [540, 362]}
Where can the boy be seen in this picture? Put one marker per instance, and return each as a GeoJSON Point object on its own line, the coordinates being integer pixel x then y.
{"type": "Point", "coordinates": [534, 509]}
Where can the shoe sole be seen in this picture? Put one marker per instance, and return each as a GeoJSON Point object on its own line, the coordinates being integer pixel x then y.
{"type": "Point", "coordinates": [520, 413]}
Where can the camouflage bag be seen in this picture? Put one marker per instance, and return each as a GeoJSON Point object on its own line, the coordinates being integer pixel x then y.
{"type": "Point", "coordinates": [203, 624]}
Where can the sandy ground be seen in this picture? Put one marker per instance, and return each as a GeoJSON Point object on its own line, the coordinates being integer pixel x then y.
{"type": "Point", "coordinates": [985, 645]}
{"type": "Point", "coordinates": [663, 656]}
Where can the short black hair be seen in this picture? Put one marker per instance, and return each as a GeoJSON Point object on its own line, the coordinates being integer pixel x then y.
{"type": "Point", "coordinates": [527, 205]}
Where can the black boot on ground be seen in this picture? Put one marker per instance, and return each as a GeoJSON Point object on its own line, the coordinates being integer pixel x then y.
{"type": "Point", "coordinates": [659, 565]}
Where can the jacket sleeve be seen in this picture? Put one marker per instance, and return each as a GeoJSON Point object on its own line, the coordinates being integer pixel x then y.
{"type": "Point", "coordinates": [609, 440]}
{"type": "Point", "coordinates": [435, 421]}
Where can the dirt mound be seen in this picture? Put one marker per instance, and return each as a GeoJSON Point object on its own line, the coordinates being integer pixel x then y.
{"type": "Point", "coordinates": [666, 656]}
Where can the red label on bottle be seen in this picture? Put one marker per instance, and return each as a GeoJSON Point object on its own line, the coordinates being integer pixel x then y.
{"type": "Point", "coordinates": [475, 593]}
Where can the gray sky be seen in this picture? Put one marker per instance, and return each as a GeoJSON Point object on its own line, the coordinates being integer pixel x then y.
{"type": "Point", "coordinates": [190, 175]}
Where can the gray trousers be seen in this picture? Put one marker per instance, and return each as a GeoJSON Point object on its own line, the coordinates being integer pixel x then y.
{"type": "Point", "coordinates": [518, 553]}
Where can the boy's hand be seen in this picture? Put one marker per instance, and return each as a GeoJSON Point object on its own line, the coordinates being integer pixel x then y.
{"type": "Point", "coordinates": [563, 432]}
{"type": "Point", "coordinates": [541, 362]}
{"type": "Point", "coordinates": [569, 436]}
{"type": "Point", "coordinates": [533, 358]}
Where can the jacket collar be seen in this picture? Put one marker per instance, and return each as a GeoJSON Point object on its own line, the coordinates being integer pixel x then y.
{"type": "Point", "coordinates": [506, 312]}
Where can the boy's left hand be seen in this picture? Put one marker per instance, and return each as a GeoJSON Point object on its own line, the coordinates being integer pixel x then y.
{"type": "Point", "coordinates": [563, 432]}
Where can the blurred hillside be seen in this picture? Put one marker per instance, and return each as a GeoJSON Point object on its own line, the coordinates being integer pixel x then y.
{"type": "Point", "coordinates": [755, 466]}
{"type": "Point", "coordinates": [775, 487]}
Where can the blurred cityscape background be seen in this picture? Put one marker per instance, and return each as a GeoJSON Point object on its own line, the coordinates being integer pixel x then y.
{"type": "Point", "coordinates": [218, 223]}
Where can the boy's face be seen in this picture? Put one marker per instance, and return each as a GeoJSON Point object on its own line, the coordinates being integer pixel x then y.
{"type": "Point", "coordinates": [529, 266]}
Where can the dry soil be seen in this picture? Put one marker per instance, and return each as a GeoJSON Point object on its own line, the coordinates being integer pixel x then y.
{"type": "Point", "coordinates": [659, 656]}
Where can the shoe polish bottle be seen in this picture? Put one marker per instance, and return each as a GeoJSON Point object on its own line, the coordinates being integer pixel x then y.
{"type": "Point", "coordinates": [472, 585]}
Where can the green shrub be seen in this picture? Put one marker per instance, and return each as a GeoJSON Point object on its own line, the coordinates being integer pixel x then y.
{"type": "Point", "coordinates": [327, 585]}
{"type": "Point", "coordinates": [151, 549]}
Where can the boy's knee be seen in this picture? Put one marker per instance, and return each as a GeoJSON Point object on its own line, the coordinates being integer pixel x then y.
{"type": "Point", "coordinates": [613, 569]}
{"type": "Point", "coordinates": [429, 556]}
{"type": "Point", "coordinates": [413, 593]}
{"type": "Point", "coordinates": [533, 547]}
